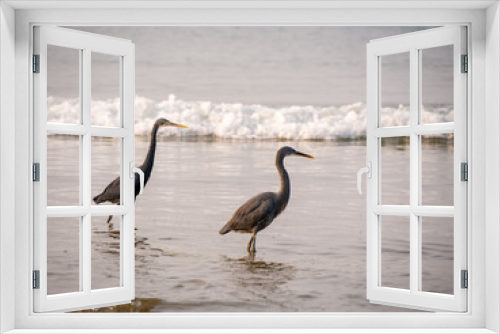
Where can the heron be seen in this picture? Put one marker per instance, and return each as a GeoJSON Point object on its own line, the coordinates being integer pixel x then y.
{"type": "Point", "coordinates": [260, 211]}
{"type": "Point", "coordinates": [112, 192]}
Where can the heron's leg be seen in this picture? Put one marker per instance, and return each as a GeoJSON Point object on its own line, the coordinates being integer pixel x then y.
{"type": "Point", "coordinates": [249, 246]}
{"type": "Point", "coordinates": [254, 242]}
{"type": "Point", "coordinates": [109, 219]}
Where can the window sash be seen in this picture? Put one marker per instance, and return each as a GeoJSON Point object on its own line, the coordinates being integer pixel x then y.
{"type": "Point", "coordinates": [86, 297]}
{"type": "Point", "coordinates": [413, 43]}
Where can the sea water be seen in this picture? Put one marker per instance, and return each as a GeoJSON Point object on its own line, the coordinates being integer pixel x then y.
{"type": "Point", "coordinates": [312, 258]}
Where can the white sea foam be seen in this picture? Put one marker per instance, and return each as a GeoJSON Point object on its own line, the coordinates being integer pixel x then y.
{"type": "Point", "coordinates": [235, 120]}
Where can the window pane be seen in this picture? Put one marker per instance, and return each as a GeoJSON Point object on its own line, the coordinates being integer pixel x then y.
{"type": "Point", "coordinates": [437, 170]}
{"type": "Point", "coordinates": [63, 255]}
{"type": "Point", "coordinates": [395, 264]}
{"type": "Point", "coordinates": [63, 170]}
{"type": "Point", "coordinates": [63, 85]}
{"type": "Point", "coordinates": [437, 85]}
{"type": "Point", "coordinates": [437, 254]}
{"type": "Point", "coordinates": [106, 164]}
{"type": "Point", "coordinates": [395, 90]}
{"type": "Point", "coordinates": [395, 171]}
{"type": "Point", "coordinates": [105, 106]}
{"type": "Point", "coordinates": [105, 252]}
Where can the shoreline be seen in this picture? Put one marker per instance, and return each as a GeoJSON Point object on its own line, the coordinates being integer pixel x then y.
{"type": "Point", "coordinates": [357, 141]}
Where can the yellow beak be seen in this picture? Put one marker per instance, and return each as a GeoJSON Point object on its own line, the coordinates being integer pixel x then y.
{"type": "Point", "coordinates": [178, 125]}
{"type": "Point", "coordinates": [305, 155]}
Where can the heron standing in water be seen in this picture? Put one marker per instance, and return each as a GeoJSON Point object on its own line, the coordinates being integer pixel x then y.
{"type": "Point", "coordinates": [259, 212]}
{"type": "Point", "coordinates": [112, 192]}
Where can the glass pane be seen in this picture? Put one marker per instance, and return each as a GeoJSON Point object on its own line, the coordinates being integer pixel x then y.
{"type": "Point", "coordinates": [106, 164]}
{"type": "Point", "coordinates": [105, 106]}
{"type": "Point", "coordinates": [437, 170]}
{"type": "Point", "coordinates": [437, 255]}
{"type": "Point", "coordinates": [395, 90]}
{"type": "Point", "coordinates": [395, 171]}
{"type": "Point", "coordinates": [437, 85]}
{"type": "Point", "coordinates": [105, 252]}
{"type": "Point", "coordinates": [63, 85]}
{"type": "Point", "coordinates": [63, 255]}
{"type": "Point", "coordinates": [63, 170]}
{"type": "Point", "coordinates": [395, 262]}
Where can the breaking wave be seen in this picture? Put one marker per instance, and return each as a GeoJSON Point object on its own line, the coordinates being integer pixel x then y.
{"type": "Point", "coordinates": [236, 120]}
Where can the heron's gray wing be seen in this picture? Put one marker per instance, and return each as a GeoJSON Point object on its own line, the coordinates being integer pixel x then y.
{"type": "Point", "coordinates": [257, 210]}
{"type": "Point", "coordinates": [112, 192]}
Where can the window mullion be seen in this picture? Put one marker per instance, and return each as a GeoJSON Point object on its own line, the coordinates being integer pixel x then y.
{"type": "Point", "coordinates": [86, 174]}
{"type": "Point", "coordinates": [85, 161]}
{"type": "Point", "coordinates": [417, 121]}
{"type": "Point", "coordinates": [85, 247]}
{"type": "Point", "coordinates": [414, 172]}
{"type": "Point", "coordinates": [127, 238]}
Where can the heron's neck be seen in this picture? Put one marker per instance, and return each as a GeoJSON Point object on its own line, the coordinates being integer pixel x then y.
{"type": "Point", "coordinates": [284, 191]}
{"type": "Point", "coordinates": [147, 165]}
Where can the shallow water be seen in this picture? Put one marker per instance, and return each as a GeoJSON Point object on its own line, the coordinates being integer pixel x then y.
{"type": "Point", "coordinates": [311, 259]}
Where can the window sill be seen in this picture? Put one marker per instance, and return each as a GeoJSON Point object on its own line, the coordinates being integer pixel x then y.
{"type": "Point", "coordinates": [253, 331]}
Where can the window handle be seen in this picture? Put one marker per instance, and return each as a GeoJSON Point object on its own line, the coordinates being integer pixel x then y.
{"type": "Point", "coordinates": [368, 171]}
{"type": "Point", "coordinates": [139, 171]}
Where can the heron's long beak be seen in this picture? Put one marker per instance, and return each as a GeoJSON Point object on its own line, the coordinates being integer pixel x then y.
{"type": "Point", "coordinates": [305, 155]}
{"type": "Point", "coordinates": [178, 125]}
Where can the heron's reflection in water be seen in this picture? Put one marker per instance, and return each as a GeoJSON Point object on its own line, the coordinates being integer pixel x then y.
{"type": "Point", "coordinates": [263, 279]}
{"type": "Point", "coordinates": [137, 305]}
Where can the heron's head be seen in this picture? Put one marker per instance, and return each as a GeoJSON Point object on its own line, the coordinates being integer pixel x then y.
{"type": "Point", "coordinates": [165, 122]}
{"type": "Point", "coordinates": [287, 150]}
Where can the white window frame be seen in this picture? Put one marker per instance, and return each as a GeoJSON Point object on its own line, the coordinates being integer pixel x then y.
{"type": "Point", "coordinates": [124, 51]}
{"type": "Point", "coordinates": [483, 20]}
